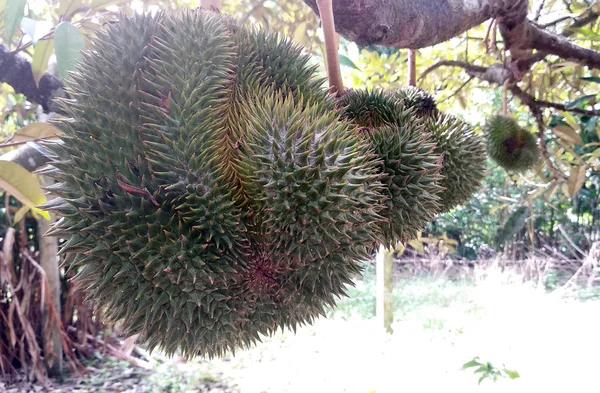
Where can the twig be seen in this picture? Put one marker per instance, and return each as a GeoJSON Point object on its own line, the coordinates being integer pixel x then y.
{"type": "Point", "coordinates": [539, 118]}
{"type": "Point", "coordinates": [120, 355]}
{"type": "Point", "coordinates": [11, 144]}
{"type": "Point", "coordinates": [458, 90]}
{"type": "Point", "coordinates": [412, 67]}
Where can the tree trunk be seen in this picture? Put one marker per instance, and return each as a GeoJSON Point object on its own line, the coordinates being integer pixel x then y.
{"type": "Point", "coordinates": [53, 349]}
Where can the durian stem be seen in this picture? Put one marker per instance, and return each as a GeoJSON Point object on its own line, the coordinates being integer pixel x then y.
{"type": "Point", "coordinates": [412, 67]}
{"type": "Point", "coordinates": [211, 5]}
{"type": "Point", "coordinates": [334, 73]}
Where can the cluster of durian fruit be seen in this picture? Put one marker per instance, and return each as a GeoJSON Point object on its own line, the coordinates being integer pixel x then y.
{"type": "Point", "coordinates": [211, 191]}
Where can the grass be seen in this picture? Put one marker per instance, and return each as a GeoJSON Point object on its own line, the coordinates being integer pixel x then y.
{"type": "Point", "coordinates": [439, 325]}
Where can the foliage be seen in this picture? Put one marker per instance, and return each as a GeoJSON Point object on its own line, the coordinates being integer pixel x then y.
{"type": "Point", "coordinates": [487, 370]}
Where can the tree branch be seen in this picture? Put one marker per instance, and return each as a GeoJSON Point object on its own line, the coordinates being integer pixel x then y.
{"type": "Point", "coordinates": [496, 74]}
{"type": "Point", "coordinates": [411, 24]}
{"type": "Point", "coordinates": [539, 119]}
{"type": "Point", "coordinates": [416, 24]}
{"type": "Point", "coordinates": [15, 70]}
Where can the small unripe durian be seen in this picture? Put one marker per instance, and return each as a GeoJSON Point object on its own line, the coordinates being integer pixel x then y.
{"type": "Point", "coordinates": [509, 145]}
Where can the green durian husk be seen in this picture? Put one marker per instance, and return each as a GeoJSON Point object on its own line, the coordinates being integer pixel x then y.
{"type": "Point", "coordinates": [180, 225]}
{"type": "Point", "coordinates": [509, 145]}
{"type": "Point", "coordinates": [463, 158]}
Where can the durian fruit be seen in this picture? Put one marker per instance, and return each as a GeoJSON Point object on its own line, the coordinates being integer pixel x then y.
{"type": "Point", "coordinates": [509, 145]}
{"type": "Point", "coordinates": [372, 108]}
{"type": "Point", "coordinates": [418, 99]}
{"type": "Point", "coordinates": [463, 158]}
{"type": "Point", "coordinates": [206, 186]}
{"type": "Point", "coordinates": [409, 163]}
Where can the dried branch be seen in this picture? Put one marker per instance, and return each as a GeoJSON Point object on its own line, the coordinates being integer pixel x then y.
{"type": "Point", "coordinates": [539, 119]}
{"type": "Point", "coordinates": [496, 74]}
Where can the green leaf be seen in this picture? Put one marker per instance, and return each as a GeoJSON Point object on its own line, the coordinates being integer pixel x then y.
{"type": "Point", "coordinates": [68, 7]}
{"type": "Point", "coordinates": [68, 44]}
{"type": "Point", "coordinates": [568, 135]}
{"type": "Point", "coordinates": [100, 4]}
{"type": "Point", "coordinates": [484, 376]}
{"type": "Point", "coordinates": [594, 79]}
{"type": "Point", "coordinates": [594, 155]}
{"type": "Point", "coordinates": [512, 374]}
{"type": "Point", "coordinates": [35, 131]}
{"type": "Point", "coordinates": [23, 185]}
{"type": "Point", "coordinates": [2, 10]}
{"type": "Point", "coordinates": [576, 180]}
{"type": "Point", "coordinates": [299, 35]}
{"type": "Point", "coordinates": [13, 14]}
{"type": "Point", "coordinates": [21, 213]}
{"type": "Point", "coordinates": [39, 64]}
{"type": "Point", "coordinates": [28, 26]}
{"type": "Point", "coordinates": [473, 363]}
{"type": "Point", "coordinates": [580, 101]}
{"type": "Point", "coordinates": [570, 119]}
{"type": "Point", "coordinates": [345, 61]}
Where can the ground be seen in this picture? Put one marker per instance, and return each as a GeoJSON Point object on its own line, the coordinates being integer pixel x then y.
{"type": "Point", "coordinates": [440, 324]}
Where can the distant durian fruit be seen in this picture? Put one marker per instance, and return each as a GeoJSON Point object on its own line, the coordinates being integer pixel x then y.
{"type": "Point", "coordinates": [418, 99]}
{"type": "Point", "coordinates": [206, 185]}
{"type": "Point", "coordinates": [463, 158]}
{"type": "Point", "coordinates": [509, 145]}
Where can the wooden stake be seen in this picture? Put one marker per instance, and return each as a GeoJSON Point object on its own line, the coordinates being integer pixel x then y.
{"type": "Point", "coordinates": [334, 73]}
{"type": "Point", "coordinates": [412, 67]}
{"type": "Point", "coordinates": [385, 289]}
{"type": "Point", "coordinates": [48, 247]}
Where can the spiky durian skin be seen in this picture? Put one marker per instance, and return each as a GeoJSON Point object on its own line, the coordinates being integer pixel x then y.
{"type": "Point", "coordinates": [372, 108]}
{"type": "Point", "coordinates": [418, 99]}
{"type": "Point", "coordinates": [509, 145]}
{"type": "Point", "coordinates": [161, 184]}
{"type": "Point", "coordinates": [408, 162]}
{"type": "Point", "coordinates": [463, 158]}
{"type": "Point", "coordinates": [412, 179]}
{"type": "Point", "coordinates": [317, 193]}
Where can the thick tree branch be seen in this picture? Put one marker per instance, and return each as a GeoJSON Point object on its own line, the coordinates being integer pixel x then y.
{"type": "Point", "coordinates": [411, 24]}
{"type": "Point", "coordinates": [15, 70]}
{"type": "Point", "coordinates": [416, 24]}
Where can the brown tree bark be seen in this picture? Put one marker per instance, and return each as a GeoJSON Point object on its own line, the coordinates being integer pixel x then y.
{"type": "Point", "coordinates": [417, 24]}
{"type": "Point", "coordinates": [15, 70]}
